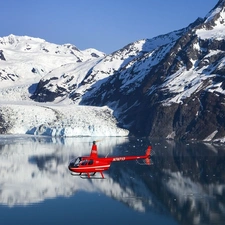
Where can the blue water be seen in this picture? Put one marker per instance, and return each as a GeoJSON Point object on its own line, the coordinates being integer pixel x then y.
{"type": "Point", "coordinates": [83, 208]}
{"type": "Point", "coordinates": [185, 183]}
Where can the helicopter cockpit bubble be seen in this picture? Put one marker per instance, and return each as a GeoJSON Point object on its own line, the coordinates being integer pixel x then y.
{"type": "Point", "coordinates": [77, 161]}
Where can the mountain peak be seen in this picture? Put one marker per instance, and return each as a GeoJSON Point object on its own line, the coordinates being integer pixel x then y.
{"type": "Point", "coordinates": [15, 40]}
{"type": "Point", "coordinates": [218, 12]}
{"type": "Point", "coordinates": [213, 26]}
{"type": "Point", "coordinates": [34, 44]}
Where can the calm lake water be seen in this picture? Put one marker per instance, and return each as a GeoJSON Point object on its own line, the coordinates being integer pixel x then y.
{"type": "Point", "coordinates": [185, 183]}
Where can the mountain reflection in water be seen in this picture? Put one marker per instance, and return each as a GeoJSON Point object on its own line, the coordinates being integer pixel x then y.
{"type": "Point", "coordinates": [185, 183]}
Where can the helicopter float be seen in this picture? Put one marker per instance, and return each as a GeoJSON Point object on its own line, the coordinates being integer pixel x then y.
{"type": "Point", "coordinates": [88, 166]}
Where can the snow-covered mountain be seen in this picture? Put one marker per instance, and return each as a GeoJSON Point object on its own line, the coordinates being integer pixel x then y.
{"type": "Point", "coordinates": [23, 57]}
{"type": "Point", "coordinates": [78, 82]}
{"type": "Point", "coordinates": [170, 86]}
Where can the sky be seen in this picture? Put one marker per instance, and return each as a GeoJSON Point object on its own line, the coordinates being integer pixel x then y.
{"type": "Point", "coordinates": [106, 25]}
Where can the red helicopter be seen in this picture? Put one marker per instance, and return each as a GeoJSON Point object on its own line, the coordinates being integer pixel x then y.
{"type": "Point", "coordinates": [90, 165]}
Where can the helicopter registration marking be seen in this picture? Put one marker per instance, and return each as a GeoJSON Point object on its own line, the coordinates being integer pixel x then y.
{"type": "Point", "coordinates": [119, 159]}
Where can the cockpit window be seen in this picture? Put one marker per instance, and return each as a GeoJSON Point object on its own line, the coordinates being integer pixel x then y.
{"type": "Point", "coordinates": [77, 161]}
{"type": "Point", "coordinates": [85, 162]}
{"type": "Point", "coordinates": [90, 162]}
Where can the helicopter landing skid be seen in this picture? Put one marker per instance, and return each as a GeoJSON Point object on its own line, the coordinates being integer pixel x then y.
{"type": "Point", "coordinates": [76, 174]}
{"type": "Point", "coordinates": [91, 176]}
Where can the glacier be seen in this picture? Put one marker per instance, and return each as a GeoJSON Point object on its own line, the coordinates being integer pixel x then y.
{"type": "Point", "coordinates": [26, 60]}
{"type": "Point", "coordinates": [60, 120]}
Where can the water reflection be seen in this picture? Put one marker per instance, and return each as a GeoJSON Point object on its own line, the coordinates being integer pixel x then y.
{"type": "Point", "coordinates": [33, 169]}
{"type": "Point", "coordinates": [186, 180]}
{"type": "Point", "coordinates": [191, 181]}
